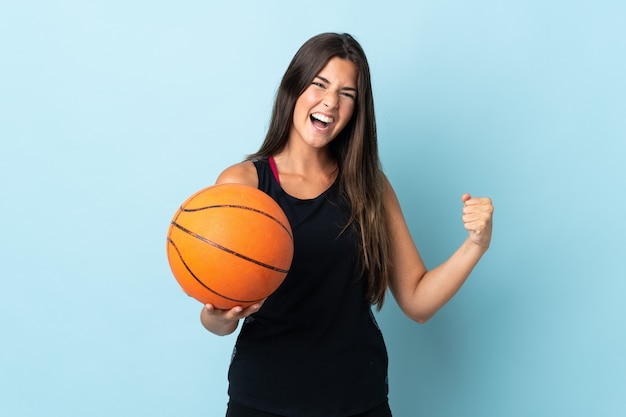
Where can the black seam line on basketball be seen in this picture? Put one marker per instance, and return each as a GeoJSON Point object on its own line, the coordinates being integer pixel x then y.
{"type": "Point", "coordinates": [243, 208]}
{"type": "Point", "coordinates": [232, 252]}
{"type": "Point", "coordinates": [180, 256]}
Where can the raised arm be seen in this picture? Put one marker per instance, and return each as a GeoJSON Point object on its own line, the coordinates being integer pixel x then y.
{"type": "Point", "coordinates": [421, 293]}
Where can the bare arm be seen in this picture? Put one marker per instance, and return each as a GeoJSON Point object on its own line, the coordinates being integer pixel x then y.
{"type": "Point", "coordinates": [421, 293]}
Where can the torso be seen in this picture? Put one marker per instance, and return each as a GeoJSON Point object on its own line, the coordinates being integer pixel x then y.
{"type": "Point", "coordinates": [314, 348]}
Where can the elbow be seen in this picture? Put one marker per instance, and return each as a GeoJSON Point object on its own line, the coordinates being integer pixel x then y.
{"type": "Point", "coordinates": [416, 307]}
{"type": "Point", "coordinates": [421, 319]}
{"type": "Point", "coordinates": [418, 316]}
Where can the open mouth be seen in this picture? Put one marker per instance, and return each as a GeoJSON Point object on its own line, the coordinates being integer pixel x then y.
{"type": "Point", "coordinates": [321, 121]}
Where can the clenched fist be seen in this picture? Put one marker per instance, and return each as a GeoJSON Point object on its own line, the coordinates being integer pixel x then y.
{"type": "Point", "coordinates": [477, 219]}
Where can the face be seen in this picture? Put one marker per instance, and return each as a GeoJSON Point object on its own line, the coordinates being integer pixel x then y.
{"type": "Point", "coordinates": [327, 104]}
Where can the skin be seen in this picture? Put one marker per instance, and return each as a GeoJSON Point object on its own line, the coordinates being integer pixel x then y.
{"type": "Point", "coordinates": [306, 170]}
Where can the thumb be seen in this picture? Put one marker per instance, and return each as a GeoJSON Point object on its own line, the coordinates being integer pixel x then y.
{"type": "Point", "coordinates": [465, 197]}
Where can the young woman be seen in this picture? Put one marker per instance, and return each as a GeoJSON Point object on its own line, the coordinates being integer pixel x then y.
{"type": "Point", "coordinates": [313, 348]}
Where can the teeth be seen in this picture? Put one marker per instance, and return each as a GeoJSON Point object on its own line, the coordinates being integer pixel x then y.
{"type": "Point", "coordinates": [322, 118]}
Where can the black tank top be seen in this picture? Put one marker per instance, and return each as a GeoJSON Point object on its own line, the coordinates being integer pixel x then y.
{"type": "Point", "coordinates": [314, 349]}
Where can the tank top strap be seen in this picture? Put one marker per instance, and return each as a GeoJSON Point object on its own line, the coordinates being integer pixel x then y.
{"type": "Point", "coordinates": [264, 174]}
{"type": "Point", "coordinates": [272, 163]}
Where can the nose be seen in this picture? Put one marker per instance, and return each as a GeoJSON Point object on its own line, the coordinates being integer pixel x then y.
{"type": "Point", "coordinates": [331, 100]}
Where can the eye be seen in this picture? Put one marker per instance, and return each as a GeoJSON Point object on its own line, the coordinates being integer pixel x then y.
{"type": "Point", "coordinates": [318, 84]}
{"type": "Point", "coordinates": [347, 94]}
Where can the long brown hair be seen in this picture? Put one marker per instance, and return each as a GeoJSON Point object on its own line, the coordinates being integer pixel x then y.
{"type": "Point", "coordinates": [355, 148]}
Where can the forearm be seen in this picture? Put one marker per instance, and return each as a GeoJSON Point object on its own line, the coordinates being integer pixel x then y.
{"type": "Point", "coordinates": [440, 284]}
{"type": "Point", "coordinates": [421, 293]}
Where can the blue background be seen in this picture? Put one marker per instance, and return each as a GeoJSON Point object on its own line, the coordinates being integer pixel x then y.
{"type": "Point", "coordinates": [113, 112]}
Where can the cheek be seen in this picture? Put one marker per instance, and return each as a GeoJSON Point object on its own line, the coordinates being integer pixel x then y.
{"type": "Point", "coordinates": [304, 103]}
{"type": "Point", "coordinates": [310, 96]}
{"type": "Point", "coordinates": [300, 110]}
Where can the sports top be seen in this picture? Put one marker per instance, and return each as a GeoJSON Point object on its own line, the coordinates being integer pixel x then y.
{"type": "Point", "coordinates": [314, 348]}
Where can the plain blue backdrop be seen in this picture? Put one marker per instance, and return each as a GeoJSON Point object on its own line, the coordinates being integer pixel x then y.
{"type": "Point", "coordinates": [113, 112]}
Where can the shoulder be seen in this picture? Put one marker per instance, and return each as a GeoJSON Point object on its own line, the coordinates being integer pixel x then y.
{"type": "Point", "coordinates": [388, 192]}
{"type": "Point", "coordinates": [241, 173]}
{"type": "Point", "coordinates": [390, 200]}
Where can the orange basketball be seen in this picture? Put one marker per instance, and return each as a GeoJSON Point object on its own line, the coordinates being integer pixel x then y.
{"type": "Point", "coordinates": [229, 245]}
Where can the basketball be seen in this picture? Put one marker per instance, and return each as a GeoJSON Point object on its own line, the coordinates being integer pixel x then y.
{"type": "Point", "coordinates": [229, 245]}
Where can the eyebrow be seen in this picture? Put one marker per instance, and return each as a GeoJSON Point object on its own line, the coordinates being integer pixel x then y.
{"type": "Point", "coordinates": [328, 82]}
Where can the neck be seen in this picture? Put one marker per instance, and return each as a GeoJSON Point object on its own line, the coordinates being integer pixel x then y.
{"type": "Point", "coordinates": [305, 163]}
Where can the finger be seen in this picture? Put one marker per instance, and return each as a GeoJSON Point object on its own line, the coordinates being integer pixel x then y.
{"type": "Point", "coordinates": [473, 213]}
{"type": "Point", "coordinates": [480, 211]}
{"type": "Point", "coordinates": [477, 214]}
{"type": "Point", "coordinates": [465, 197]}
{"type": "Point", "coordinates": [251, 310]}
{"type": "Point", "coordinates": [476, 225]}
{"type": "Point", "coordinates": [234, 313]}
{"type": "Point", "coordinates": [478, 201]}
{"type": "Point", "coordinates": [473, 217]}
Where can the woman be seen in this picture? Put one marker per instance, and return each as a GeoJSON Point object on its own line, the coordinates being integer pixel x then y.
{"type": "Point", "coordinates": [313, 347]}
